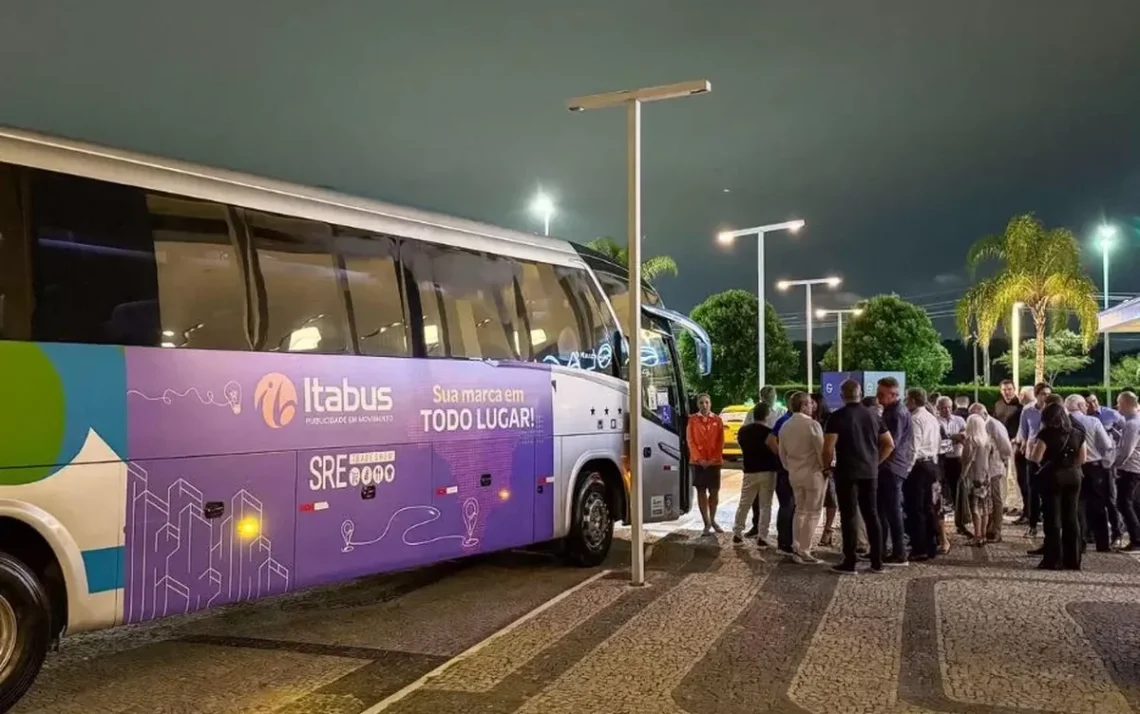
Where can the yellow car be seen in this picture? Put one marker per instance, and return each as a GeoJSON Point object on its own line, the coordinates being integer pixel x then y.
{"type": "Point", "coordinates": [733, 418]}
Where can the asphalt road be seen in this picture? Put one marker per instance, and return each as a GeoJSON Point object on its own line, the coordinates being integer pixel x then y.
{"type": "Point", "coordinates": [333, 650]}
{"type": "Point", "coordinates": [336, 649]}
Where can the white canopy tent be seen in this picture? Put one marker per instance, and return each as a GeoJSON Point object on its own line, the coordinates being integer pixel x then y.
{"type": "Point", "coordinates": [1121, 318]}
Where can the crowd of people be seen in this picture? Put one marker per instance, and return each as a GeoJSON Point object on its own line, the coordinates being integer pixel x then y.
{"type": "Point", "coordinates": [895, 468]}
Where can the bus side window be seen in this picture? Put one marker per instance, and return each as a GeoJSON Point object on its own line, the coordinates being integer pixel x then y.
{"type": "Point", "coordinates": [470, 307]}
{"type": "Point", "coordinates": [201, 289]}
{"type": "Point", "coordinates": [94, 262]}
{"type": "Point", "coordinates": [566, 322]}
{"type": "Point", "coordinates": [371, 265]}
{"type": "Point", "coordinates": [15, 267]}
{"type": "Point", "coordinates": [303, 301]}
{"type": "Point", "coordinates": [598, 323]}
{"type": "Point", "coordinates": [556, 331]}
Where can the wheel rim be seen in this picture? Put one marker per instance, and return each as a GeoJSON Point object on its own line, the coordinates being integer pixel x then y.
{"type": "Point", "coordinates": [7, 633]}
{"type": "Point", "coordinates": [595, 521]}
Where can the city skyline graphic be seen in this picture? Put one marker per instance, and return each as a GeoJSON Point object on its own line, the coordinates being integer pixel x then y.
{"type": "Point", "coordinates": [180, 561]}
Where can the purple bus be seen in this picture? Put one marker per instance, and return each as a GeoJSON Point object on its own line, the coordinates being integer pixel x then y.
{"type": "Point", "coordinates": [218, 388]}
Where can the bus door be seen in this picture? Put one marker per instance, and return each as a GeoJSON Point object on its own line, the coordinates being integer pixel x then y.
{"type": "Point", "coordinates": [666, 489]}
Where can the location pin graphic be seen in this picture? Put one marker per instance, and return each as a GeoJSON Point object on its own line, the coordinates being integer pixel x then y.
{"type": "Point", "coordinates": [470, 519]}
{"type": "Point", "coordinates": [346, 530]}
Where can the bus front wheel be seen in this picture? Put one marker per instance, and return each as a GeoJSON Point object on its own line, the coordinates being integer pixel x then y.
{"type": "Point", "coordinates": [592, 529]}
{"type": "Point", "coordinates": [25, 629]}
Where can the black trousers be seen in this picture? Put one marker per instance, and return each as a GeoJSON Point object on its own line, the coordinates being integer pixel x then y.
{"type": "Point", "coordinates": [1060, 498]}
{"type": "Point", "coordinates": [787, 501]}
{"type": "Point", "coordinates": [1038, 488]}
{"type": "Point", "coordinates": [951, 489]}
{"type": "Point", "coordinates": [918, 500]}
{"type": "Point", "coordinates": [855, 497]}
{"type": "Point", "coordinates": [756, 513]}
{"type": "Point", "coordinates": [891, 510]}
{"type": "Point", "coordinates": [1021, 468]}
{"type": "Point", "coordinates": [1114, 521]}
{"type": "Point", "coordinates": [1126, 490]}
{"type": "Point", "coordinates": [1096, 495]}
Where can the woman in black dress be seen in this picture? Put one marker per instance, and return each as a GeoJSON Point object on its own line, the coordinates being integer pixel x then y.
{"type": "Point", "coordinates": [1059, 452]}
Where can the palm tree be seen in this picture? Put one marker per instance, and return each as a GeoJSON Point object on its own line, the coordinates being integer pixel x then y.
{"type": "Point", "coordinates": [651, 268]}
{"type": "Point", "coordinates": [1040, 268]}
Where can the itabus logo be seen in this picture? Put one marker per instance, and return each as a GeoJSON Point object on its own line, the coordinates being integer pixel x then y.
{"type": "Point", "coordinates": [344, 398]}
{"type": "Point", "coordinates": [276, 398]}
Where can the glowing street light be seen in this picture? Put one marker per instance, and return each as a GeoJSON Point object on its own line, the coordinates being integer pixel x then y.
{"type": "Point", "coordinates": [543, 206]}
{"type": "Point", "coordinates": [632, 99]}
{"type": "Point", "coordinates": [831, 282]}
{"type": "Point", "coordinates": [726, 238]}
{"type": "Point", "coordinates": [854, 312]}
{"type": "Point", "coordinates": [1106, 236]}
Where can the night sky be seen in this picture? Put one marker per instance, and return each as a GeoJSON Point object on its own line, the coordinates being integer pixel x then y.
{"type": "Point", "coordinates": [901, 131]}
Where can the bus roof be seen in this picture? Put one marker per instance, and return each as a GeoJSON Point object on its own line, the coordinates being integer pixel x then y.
{"type": "Point", "coordinates": [50, 153]}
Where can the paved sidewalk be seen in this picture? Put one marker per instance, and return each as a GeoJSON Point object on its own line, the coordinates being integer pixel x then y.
{"type": "Point", "coordinates": [722, 629]}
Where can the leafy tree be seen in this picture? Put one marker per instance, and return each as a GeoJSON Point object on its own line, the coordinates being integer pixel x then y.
{"type": "Point", "coordinates": [651, 268]}
{"type": "Point", "coordinates": [1065, 352]}
{"type": "Point", "coordinates": [730, 319]}
{"type": "Point", "coordinates": [1126, 371]}
{"type": "Point", "coordinates": [892, 334]}
{"type": "Point", "coordinates": [1040, 268]}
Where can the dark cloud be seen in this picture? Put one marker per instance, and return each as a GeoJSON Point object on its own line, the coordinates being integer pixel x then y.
{"type": "Point", "coordinates": [900, 130]}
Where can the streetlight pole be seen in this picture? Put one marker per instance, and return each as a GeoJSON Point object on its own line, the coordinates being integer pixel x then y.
{"type": "Point", "coordinates": [543, 206]}
{"type": "Point", "coordinates": [727, 237]}
{"type": "Point", "coordinates": [854, 312]}
{"type": "Point", "coordinates": [1107, 234]}
{"type": "Point", "coordinates": [632, 99]}
{"type": "Point", "coordinates": [807, 284]}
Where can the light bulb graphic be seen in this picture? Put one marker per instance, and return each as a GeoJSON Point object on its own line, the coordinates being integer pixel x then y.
{"type": "Point", "coordinates": [470, 520]}
{"type": "Point", "coordinates": [346, 530]}
{"type": "Point", "coordinates": [232, 390]}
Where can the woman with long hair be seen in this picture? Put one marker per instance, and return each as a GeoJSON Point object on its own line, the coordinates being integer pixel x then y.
{"type": "Point", "coordinates": [1059, 452]}
{"type": "Point", "coordinates": [977, 452]}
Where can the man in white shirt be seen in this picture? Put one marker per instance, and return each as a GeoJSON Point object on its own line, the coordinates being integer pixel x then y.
{"type": "Point", "coordinates": [950, 459]}
{"type": "Point", "coordinates": [999, 467]}
{"type": "Point", "coordinates": [1094, 495]}
{"type": "Point", "coordinates": [919, 485]}
{"type": "Point", "coordinates": [1128, 468]}
{"type": "Point", "coordinates": [801, 450]}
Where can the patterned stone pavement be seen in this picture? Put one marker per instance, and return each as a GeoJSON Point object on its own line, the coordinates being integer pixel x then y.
{"type": "Point", "coordinates": [722, 630]}
{"type": "Point", "coordinates": [717, 630]}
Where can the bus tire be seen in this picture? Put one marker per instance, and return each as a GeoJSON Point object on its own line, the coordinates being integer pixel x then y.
{"type": "Point", "coordinates": [592, 526]}
{"type": "Point", "coordinates": [25, 629]}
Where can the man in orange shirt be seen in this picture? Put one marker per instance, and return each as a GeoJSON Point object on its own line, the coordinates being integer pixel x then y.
{"type": "Point", "coordinates": [706, 444]}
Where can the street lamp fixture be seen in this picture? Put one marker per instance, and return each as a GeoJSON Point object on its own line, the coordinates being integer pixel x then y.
{"type": "Point", "coordinates": [726, 238]}
{"type": "Point", "coordinates": [543, 206]}
{"type": "Point", "coordinates": [632, 99]}
{"type": "Point", "coordinates": [831, 282]}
